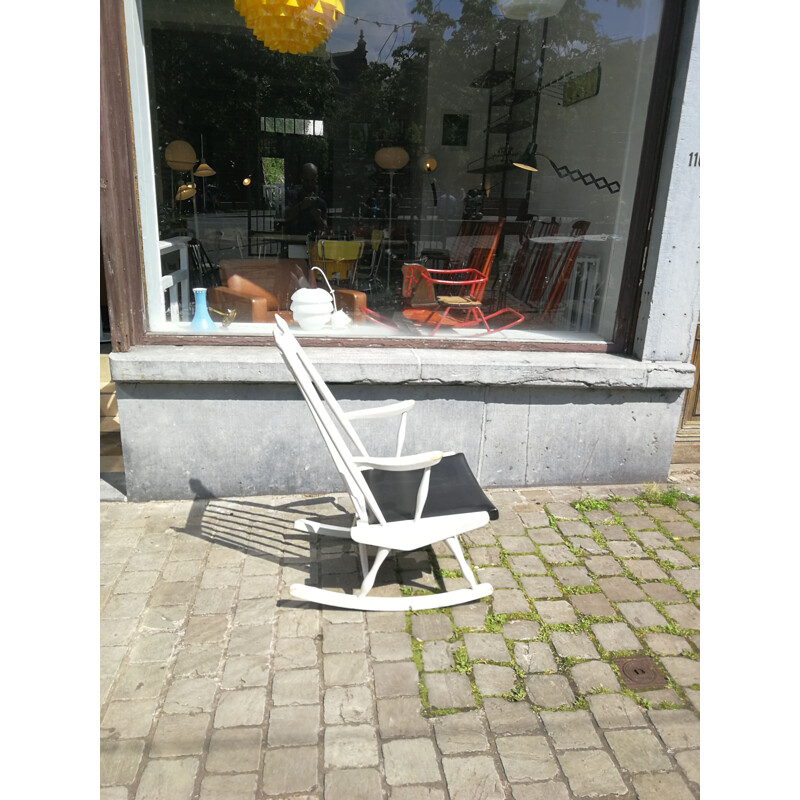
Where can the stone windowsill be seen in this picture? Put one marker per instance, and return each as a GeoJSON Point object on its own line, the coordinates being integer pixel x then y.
{"type": "Point", "coordinates": [171, 364]}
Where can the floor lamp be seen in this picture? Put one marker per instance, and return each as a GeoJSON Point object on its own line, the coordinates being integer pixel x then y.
{"type": "Point", "coordinates": [181, 157]}
{"type": "Point", "coordinates": [203, 171]}
{"type": "Point", "coordinates": [391, 159]}
{"type": "Point", "coordinates": [428, 163]}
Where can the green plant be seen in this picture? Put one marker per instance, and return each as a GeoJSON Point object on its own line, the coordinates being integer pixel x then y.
{"type": "Point", "coordinates": [590, 504]}
{"type": "Point", "coordinates": [669, 497]}
{"type": "Point", "coordinates": [517, 693]}
{"type": "Point", "coordinates": [494, 622]}
{"type": "Point", "coordinates": [581, 590]}
{"type": "Point", "coordinates": [416, 657]}
{"type": "Point", "coordinates": [566, 662]}
{"type": "Point", "coordinates": [450, 573]}
{"type": "Point", "coordinates": [461, 661]}
{"type": "Point", "coordinates": [439, 712]}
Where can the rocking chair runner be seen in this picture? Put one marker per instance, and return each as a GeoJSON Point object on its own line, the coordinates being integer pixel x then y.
{"type": "Point", "coordinates": [401, 502]}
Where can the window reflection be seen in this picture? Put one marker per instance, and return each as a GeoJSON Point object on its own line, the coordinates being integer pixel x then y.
{"type": "Point", "coordinates": [467, 94]}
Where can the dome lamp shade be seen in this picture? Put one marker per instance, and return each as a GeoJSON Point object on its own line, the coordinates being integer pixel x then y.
{"type": "Point", "coordinates": [391, 158]}
{"type": "Point", "coordinates": [180, 155]}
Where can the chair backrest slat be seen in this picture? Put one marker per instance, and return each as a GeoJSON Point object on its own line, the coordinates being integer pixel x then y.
{"type": "Point", "coordinates": [322, 404]}
{"type": "Point", "coordinates": [472, 234]}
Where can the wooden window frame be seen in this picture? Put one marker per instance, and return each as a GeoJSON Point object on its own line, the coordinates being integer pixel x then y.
{"type": "Point", "coordinates": [120, 239]}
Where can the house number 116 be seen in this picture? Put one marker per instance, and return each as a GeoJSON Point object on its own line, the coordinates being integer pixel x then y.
{"type": "Point", "coordinates": [694, 159]}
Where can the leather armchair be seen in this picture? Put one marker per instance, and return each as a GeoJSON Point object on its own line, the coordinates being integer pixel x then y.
{"type": "Point", "coordinates": [260, 288]}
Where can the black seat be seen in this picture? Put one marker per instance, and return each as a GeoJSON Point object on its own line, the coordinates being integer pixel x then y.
{"type": "Point", "coordinates": [453, 490]}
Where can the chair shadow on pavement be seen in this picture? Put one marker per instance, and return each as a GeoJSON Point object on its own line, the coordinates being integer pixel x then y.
{"type": "Point", "coordinates": [265, 530]}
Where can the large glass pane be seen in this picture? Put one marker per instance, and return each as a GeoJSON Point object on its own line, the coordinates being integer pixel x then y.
{"type": "Point", "coordinates": [423, 120]}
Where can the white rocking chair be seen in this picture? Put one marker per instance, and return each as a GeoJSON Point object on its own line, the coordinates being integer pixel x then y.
{"type": "Point", "coordinates": [401, 502]}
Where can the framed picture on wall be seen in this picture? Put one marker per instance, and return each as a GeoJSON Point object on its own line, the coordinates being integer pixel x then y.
{"type": "Point", "coordinates": [455, 130]}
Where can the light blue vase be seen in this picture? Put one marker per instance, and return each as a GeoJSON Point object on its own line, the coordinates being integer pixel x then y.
{"type": "Point", "coordinates": [201, 322]}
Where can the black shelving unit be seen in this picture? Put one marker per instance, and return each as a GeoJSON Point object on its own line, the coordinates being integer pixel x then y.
{"type": "Point", "coordinates": [501, 120]}
{"type": "Point", "coordinates": [503, 117]}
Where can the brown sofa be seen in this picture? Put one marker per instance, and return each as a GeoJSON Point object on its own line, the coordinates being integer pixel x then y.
{"type": "Point", "coordinates": [259, 288]}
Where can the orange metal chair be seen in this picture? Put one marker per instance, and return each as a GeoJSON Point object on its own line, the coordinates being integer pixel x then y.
{"type": "Point", "coordinates": [449, 297]}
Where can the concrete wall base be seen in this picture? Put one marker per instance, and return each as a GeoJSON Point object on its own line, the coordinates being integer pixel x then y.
{"type": "Point", "coordinates": [522, 419]}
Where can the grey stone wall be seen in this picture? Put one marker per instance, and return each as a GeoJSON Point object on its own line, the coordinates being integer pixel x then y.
{"type": "Point", "coordinates": [225, 421]}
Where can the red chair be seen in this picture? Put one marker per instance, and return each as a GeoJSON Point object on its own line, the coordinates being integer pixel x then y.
{"type": "Point", "coordinates": [449, 297]}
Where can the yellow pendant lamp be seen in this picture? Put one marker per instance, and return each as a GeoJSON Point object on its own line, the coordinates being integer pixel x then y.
{"type": "Point", "coordinates": [203, 170]}
{"type": "Point", "coordinates": [186, 191]}
{"type": "Point", "coordinates": [291, 26]}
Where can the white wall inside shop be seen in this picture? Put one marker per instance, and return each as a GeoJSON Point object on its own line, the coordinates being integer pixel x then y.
{"type": "Point", "coordinates": [601, 135]}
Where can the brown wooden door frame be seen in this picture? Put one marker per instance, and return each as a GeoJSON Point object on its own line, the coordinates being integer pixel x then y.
{"type": "Point", "coordinates": [119, 219]}
{"type": "Point", "coordinates": [647, 184]}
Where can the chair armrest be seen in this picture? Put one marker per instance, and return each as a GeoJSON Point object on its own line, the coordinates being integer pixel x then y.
{"type": "Point", "coordinates": [352, 301]}
{"type": "Point", "coordinates": [381, 411]}
{"type": "Point", "coordinates": [401, 463]}
{"type": "Point", "coordinates": [456, 277]}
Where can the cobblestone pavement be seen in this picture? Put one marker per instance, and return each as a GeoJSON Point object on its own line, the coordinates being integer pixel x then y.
{"type": "Point", "coordinates": [216, 685]}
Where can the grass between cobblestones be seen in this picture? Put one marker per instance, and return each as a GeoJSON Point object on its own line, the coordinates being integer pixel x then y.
{"type": "Point", "coordinates": [496, 622]}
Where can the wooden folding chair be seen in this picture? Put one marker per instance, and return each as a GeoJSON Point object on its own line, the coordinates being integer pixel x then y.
{"type": "Point", "coordinates": [555, 283]}
{"type": "Point", "coordinates": [531, 259]}
{"type": "Point", "coordinates": [401, 502]}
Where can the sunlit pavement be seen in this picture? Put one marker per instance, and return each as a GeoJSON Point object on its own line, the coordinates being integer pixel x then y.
{"type": "Point", "coordinates": [579, 676]}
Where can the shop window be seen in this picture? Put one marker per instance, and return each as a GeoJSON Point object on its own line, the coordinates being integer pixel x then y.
{"type": "Point", "coordinates": [423, 127]}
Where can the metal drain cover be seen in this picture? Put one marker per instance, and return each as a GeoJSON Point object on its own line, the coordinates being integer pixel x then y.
{"type": "Point", "coordinates": [640, 672]}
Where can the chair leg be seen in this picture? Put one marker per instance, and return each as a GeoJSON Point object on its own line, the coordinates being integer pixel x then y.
{"type": "Point", "coordinates": [362, 557]}
{"type": "Point", "coordinates": [369, 578]}
{"type": "Point", "coordinates": [477, 317]}
{"type": "Point", "coordinates": [516, 318]}
{"type": "Point", "coordinates": [441, 320]}
{"type": "Point", "coordinates": [466, 570]}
